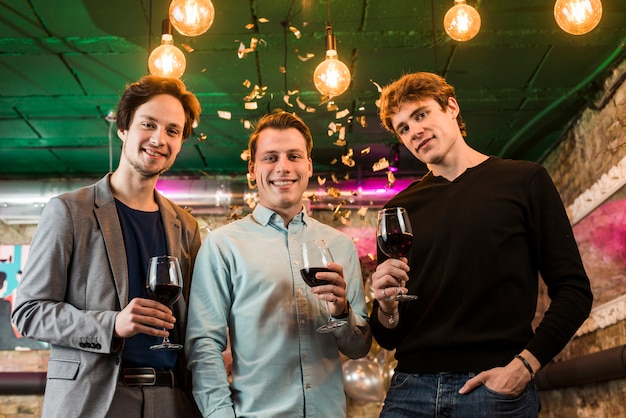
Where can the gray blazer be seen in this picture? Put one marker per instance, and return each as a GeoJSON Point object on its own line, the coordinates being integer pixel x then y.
{"type": "Point", "coordinates": [76, 281]}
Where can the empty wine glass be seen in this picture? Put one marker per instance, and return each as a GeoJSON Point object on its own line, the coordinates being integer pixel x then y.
{"type": "Point", "coordinates": [315, 256]}
{"type": "Point", "coordinates": [164, 284]}
{"type": "Point", "coordinates": [394, 237]}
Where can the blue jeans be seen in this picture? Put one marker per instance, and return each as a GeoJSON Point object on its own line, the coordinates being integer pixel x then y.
{"type": "Point", "coordinates": [436, 395]}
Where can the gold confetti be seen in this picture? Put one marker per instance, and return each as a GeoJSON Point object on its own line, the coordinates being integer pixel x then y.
{"type": "Point", "coordinates": [347, 159]}
{"type": "Point", "coordinates": [246, 124]}
{"type": "Point", "coordinates": [321, 181]}
{"type": "Point", "coordinates": [340, 142]}
{"type": "Point", "coordinates": [362, 121]}
{"type": "Point", "coordinates": [334, 178]}
{"type": "Point", "coordinates": [365, 151]}
{"type": "Point", "coordinates": [263, 20]}
{"type": "Point", "coordinates": [331, 106]}
{"type": "Point", "coordinates": [301, 105]}
{"type": "Point", "coordinates": [342, 133]}
{"type": "Point", "coordinates": [391, 179]}
{"type": "Point", "coordinates": [245, 155]}
{"type": "Point", "coordinates": [250, 105]}
{"type": "Point", "coordinates": [333, 161]}
{"type": "Point", "coordinates": [249, 26]}
{"type": "Point", "coordinates": [235, 212]}
{"type": "Point", "coordinates": [293, 92]}
{"type": "Point", "coordinates": [287, 99]}
{"type": "Point", "coordinates": [306, 57]}
{"type": "Point", "coordinates": [380, 164]}
{"type": "Point", "coordinates": [342, 114]}
{"type": "Point", "coordinates": [333, 192]}
{"type": "Point", "coordinates": [295, 31]}
{"type": "Point", "coordinates": [362, 212]}
{"type": "Point", "coordinates": [247, 83]}
{"type": "Point", "coordinates": [378, 87]}
{"type": "Point", "coordinates": [224, 114]}
{"type": "Point", "coordinates": [282, 69]}
{"type": "Point", "coordinates": [202, 137]}
{"type": "Point", "coordinates": [187, 47]}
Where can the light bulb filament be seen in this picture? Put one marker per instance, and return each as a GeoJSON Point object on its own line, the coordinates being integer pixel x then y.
{"type": "Point", "coordinates": [578, 11]}
{"type": "Point", "coordinates": [461, 22]}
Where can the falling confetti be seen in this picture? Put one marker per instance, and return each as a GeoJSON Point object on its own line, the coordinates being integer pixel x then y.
{"type": "Point", "coordinates": [342, 114]}
{"type": "Point", "coordinates": [321, 180]}
{"type": "Point", "coordinates": [333, 192]}
{"type": "Point", "coordinates": [306, 57]}
{"type": "Point", "coordinates": [224, 114]}
{"type": "Point", "coordinates": [250, 105]}
{"type": "Point", "coordinates": [378, 87]}
{"type": "Point", "coordinates": [245, 155]}
{"type": "Point", "coordinates": [295, 31]}
{"type": "Point", "coordinates": [391, 179]}
{"type": "Point", "coordinates": [381, 164]}
{"type": "Point", "coordinates": [365, 151]}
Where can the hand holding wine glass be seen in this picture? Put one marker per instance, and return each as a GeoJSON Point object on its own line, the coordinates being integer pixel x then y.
{"type": "Point", "coordinates": [394, 237]}
{"type": "Point", "coordinates": [315, 256]}
{"type": "Point", "coordinates": [164, 284]}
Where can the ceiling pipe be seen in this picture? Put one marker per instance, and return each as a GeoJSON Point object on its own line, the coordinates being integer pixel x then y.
{"type": "Point", "coordinates": [597, 367]}
{"type": "Point", "coordinates": [22, 383]}
{"type": "Point", "coordinates": [507, 150]}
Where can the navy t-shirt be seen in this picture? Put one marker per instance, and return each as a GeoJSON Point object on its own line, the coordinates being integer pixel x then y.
{"type": "Point", "coordinates": [144, 237]}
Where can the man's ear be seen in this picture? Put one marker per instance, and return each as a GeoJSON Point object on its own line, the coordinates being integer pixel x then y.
{"type": "Point", "coordinates": [121, 134]}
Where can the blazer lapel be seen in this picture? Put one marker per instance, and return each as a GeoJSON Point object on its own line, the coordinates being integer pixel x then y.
{"type": "Point", "coordinates": [106, 214]}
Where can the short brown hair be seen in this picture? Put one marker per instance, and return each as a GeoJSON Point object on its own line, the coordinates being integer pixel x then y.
{"type": "Point", "coordinates": [415, 87]}
{"type": "Point", "coordinates": [146, 88]}
{"type": "Point", "coordinates": [280, 121]}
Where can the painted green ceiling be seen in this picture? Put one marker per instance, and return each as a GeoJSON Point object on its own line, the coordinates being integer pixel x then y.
{"type": "Point", "coordinates": [64, 63]}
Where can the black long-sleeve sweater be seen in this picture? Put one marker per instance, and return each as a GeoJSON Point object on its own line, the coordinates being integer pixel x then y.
{"type": "Point", "coordinates": [479, 245]}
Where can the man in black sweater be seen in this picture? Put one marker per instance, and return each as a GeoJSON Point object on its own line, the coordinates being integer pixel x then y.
{"type": "Point", "coordinates": [484, 229]}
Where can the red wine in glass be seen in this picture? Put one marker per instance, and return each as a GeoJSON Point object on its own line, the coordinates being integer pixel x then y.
{"type": "Point", "coordinates": [314, 256]}
{"type": "Point", "coordinates": [309, 276]}
{"type": "Point", "coordinates": [394, 237]}
{"type": "Point", "coordinates": [166, 294]}
{"type": "Point", "coordinates": [164, 284]}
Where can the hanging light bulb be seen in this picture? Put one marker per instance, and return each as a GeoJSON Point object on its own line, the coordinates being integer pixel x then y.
{"type": "Point", "coordinates": [578, 17]}
{"type": "Point", "coordinates": [461, 22]}
{"type": "Point", "coordinates": [331, 76]}
{"type": "Point", "coordinates": [191, 17]}
{"type": "Point", "coordinates": [166, 60]}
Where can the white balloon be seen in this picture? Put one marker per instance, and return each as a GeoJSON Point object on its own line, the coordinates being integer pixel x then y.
{"type": "Point", "coordinates": [363, 381]}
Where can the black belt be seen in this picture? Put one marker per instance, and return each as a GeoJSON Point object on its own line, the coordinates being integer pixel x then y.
{"type": "Point", "coordinates": [147, 376]}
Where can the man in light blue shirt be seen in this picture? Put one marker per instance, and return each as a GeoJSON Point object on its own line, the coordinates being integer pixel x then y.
{"type": "Point", "coordinates": [247, 287]}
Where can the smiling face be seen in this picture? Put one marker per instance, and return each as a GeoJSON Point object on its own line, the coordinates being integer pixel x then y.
{"type": "Point", "coordinates": [154, 137]}
{"type": "Point", "coordinates": [281, 169]}
{"type": "Point", "coordinates": [429, 132]}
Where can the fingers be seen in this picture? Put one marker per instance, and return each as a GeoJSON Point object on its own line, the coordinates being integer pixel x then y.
{"type": "Point", "coordinates": [144, 316]}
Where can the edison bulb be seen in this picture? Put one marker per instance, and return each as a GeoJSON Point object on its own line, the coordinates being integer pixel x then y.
{"type": "Point", "coordinates": [166, 60]}
{"type": "Point", "coordinates": [578, 17]}
{"type": "Point", "coordinates": [461, 22]}
{"type": "Point", "coordinates": [191, 17]}
{"type": "Point", "coordinates": [331, 77]}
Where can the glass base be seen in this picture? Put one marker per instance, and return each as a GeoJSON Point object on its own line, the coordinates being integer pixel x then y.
{"type": "Point", "coordinates": [166, 346]}
{"type": "Point", "coordinates": [331, 325]}
{"type": "Point", "coordinates": [401, 298]}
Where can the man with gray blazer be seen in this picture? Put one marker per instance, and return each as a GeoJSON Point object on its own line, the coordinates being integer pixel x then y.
{"type": "Point", "coordinates": [83, 287]}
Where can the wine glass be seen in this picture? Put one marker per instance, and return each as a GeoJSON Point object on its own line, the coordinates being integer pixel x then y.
{"type": "Point", "coordinates": [315, 255]}
{"type": "Point", "coordinates": [164, 284]}
{"type": "Point", "coordinates": [394, 237]}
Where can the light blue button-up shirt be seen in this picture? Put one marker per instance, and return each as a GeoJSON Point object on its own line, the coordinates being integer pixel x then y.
{"type": "Point", "coordinates": [247, 283]}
